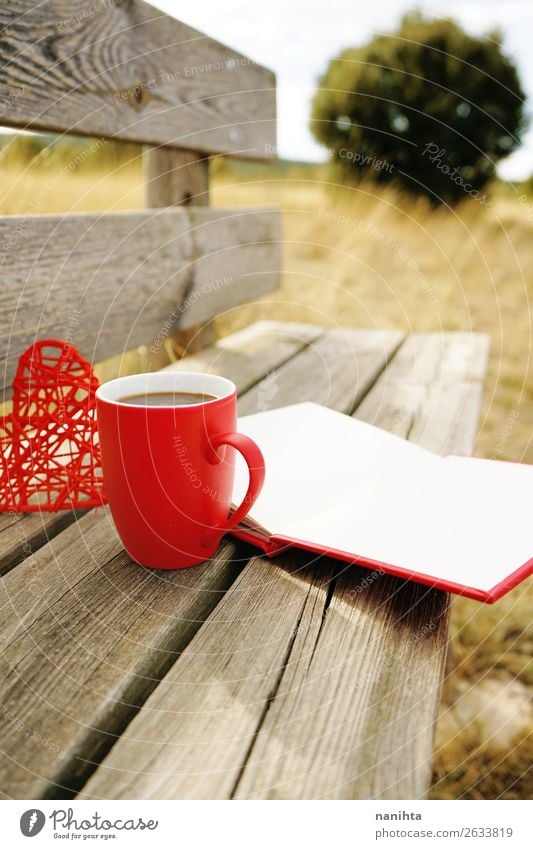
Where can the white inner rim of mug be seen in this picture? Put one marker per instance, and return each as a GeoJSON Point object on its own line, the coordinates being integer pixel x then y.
{"type": "Point", "coordinates": [179, 381]}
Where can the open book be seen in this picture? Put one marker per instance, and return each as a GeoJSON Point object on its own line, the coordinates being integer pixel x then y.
{"type": "Point", "coordinates": [338, 486]}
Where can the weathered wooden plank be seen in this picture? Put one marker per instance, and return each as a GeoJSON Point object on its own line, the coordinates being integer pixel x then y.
{"type": "Point", "coordinates": [337, 371]}
{"type": "Point", "coordinates": [107, 283]}
{"type": "Point", "coordinates": [21, 534]}
{"type": "Point", "coordinates": [245, 357]}
{"type": "Point", "coordinates": [353, 716]}
{"type": "Point", "coordinates": [339, 699]}
{"type": "Point", "coordinates": [128, 71]}
{"type": "Point", "coordinates": [194, 736]}
{"type": "Point", "coordinates": [86, 636]}
{"type": "Point", "coordinates": [179, 178]}
{"type": "Point", "coordinates": [175, 177]}
{"type": "Point", "coordinates": [248, 355]}
{"type": "Point", "coordinates": [432, 392]}
{"type": "Point", "coordinates": [281, 681]}
{"type": "Point", "coordinates": [81, 649]}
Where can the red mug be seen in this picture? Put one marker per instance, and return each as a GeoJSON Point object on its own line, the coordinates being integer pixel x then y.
{"type": "Point", "coordinates": [169, 470]}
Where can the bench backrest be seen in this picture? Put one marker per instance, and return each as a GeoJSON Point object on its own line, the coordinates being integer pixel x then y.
{"type": "Point", "coordinates": [109, 281]}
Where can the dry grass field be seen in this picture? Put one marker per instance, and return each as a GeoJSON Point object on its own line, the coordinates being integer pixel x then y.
{"type": "Point", "coordinates": [371, 258]}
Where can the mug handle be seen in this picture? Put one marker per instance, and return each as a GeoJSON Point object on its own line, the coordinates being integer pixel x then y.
{"type": "Point", "coordinates": [256, 469]}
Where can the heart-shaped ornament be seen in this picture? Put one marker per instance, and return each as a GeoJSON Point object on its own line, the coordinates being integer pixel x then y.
{"type": "Point", "coordinates": [49, 448]}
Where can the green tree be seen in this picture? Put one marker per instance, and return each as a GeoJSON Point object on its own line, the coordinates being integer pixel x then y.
{"type": "Point", "coordinates": [428, 106]}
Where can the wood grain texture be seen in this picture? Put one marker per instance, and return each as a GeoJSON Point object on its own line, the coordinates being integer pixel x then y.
{"type": "Point", "coordinates": [179, 178]}
{"type": "Point", "coordinates": [85, 633]}
{"type": "Point", "coordinates": [192, 739]}
{"type": "Point", "coordinates": [86, 636]}
{"type": "Point", "coordinates": [353, 716]}
{"type": "Point", "coordinates": [109, 282]}
{"type": "Point", "coordinates": [432, 391]}
{"type": "Point", "coordinates": [335, 371]}
{"type": "Point", "coordinates": [248, 355]}
{"type": "Point", "coordinates": [128, 71]}
{"type": "Point", "coordinates": [175, 177]}
{"type": "Point", "coordinates": [21, 534]}
{"type": "Point", "coordinates": [311, 680]}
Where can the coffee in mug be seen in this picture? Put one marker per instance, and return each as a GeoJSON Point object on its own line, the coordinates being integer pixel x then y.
{"type": "Point", "coordinates": [167, 399]}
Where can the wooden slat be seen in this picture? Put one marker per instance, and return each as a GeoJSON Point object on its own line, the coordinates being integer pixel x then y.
{"type": "Point", "coordinates": [175, 177]}
{"type": "Point", "coordinates": [354, 713]}
{"type": "Point", "coordinates": [194, 736]}
{"type": "Point", "coordinates": [179, 178]}
{"type": "Point", "coordinates": [23, 534]}
{"type": "Point", "coordinates": [274, 698]}
{"type": "Point", "coordinates": [433, 394]}
{"type": "Point", "coordinates": [128, 71]}
{"type": "Point", "coordinates": [85, 633]}
{"type": "Point", "coordinates": [337, 371]}
{"type": "Point", "coordinates": [86, 636]}
{"type": "Point", "coordinates": [302, 684]}
{"type": "Point", "coordinates": [110, 282]}
{"type": "Point", "coordinates": [244, 357]}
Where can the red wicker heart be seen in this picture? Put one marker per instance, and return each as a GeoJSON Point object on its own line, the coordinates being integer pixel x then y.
{"type": "Point", "coordinates": [49, 449]}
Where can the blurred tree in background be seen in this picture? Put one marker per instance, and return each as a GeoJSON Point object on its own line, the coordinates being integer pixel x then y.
{"type": "Point", "coordinates": [428, 106]}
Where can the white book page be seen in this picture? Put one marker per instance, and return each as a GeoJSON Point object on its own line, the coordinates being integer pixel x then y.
{"type": "Point", "coordinates": [315, 458]}
{"type": "Point", "coordinates": [342, 484]}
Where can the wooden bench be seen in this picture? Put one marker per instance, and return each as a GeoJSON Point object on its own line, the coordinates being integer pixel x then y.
{"type": "Point", "coordinates": [297, 677]}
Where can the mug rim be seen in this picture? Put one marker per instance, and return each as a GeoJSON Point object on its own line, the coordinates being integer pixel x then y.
{"type": "Point", "coordinates": [166, 381]}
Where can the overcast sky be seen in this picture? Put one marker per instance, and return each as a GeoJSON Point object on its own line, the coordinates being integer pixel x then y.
{"type": "Point", "coordinates": [296, 39]}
